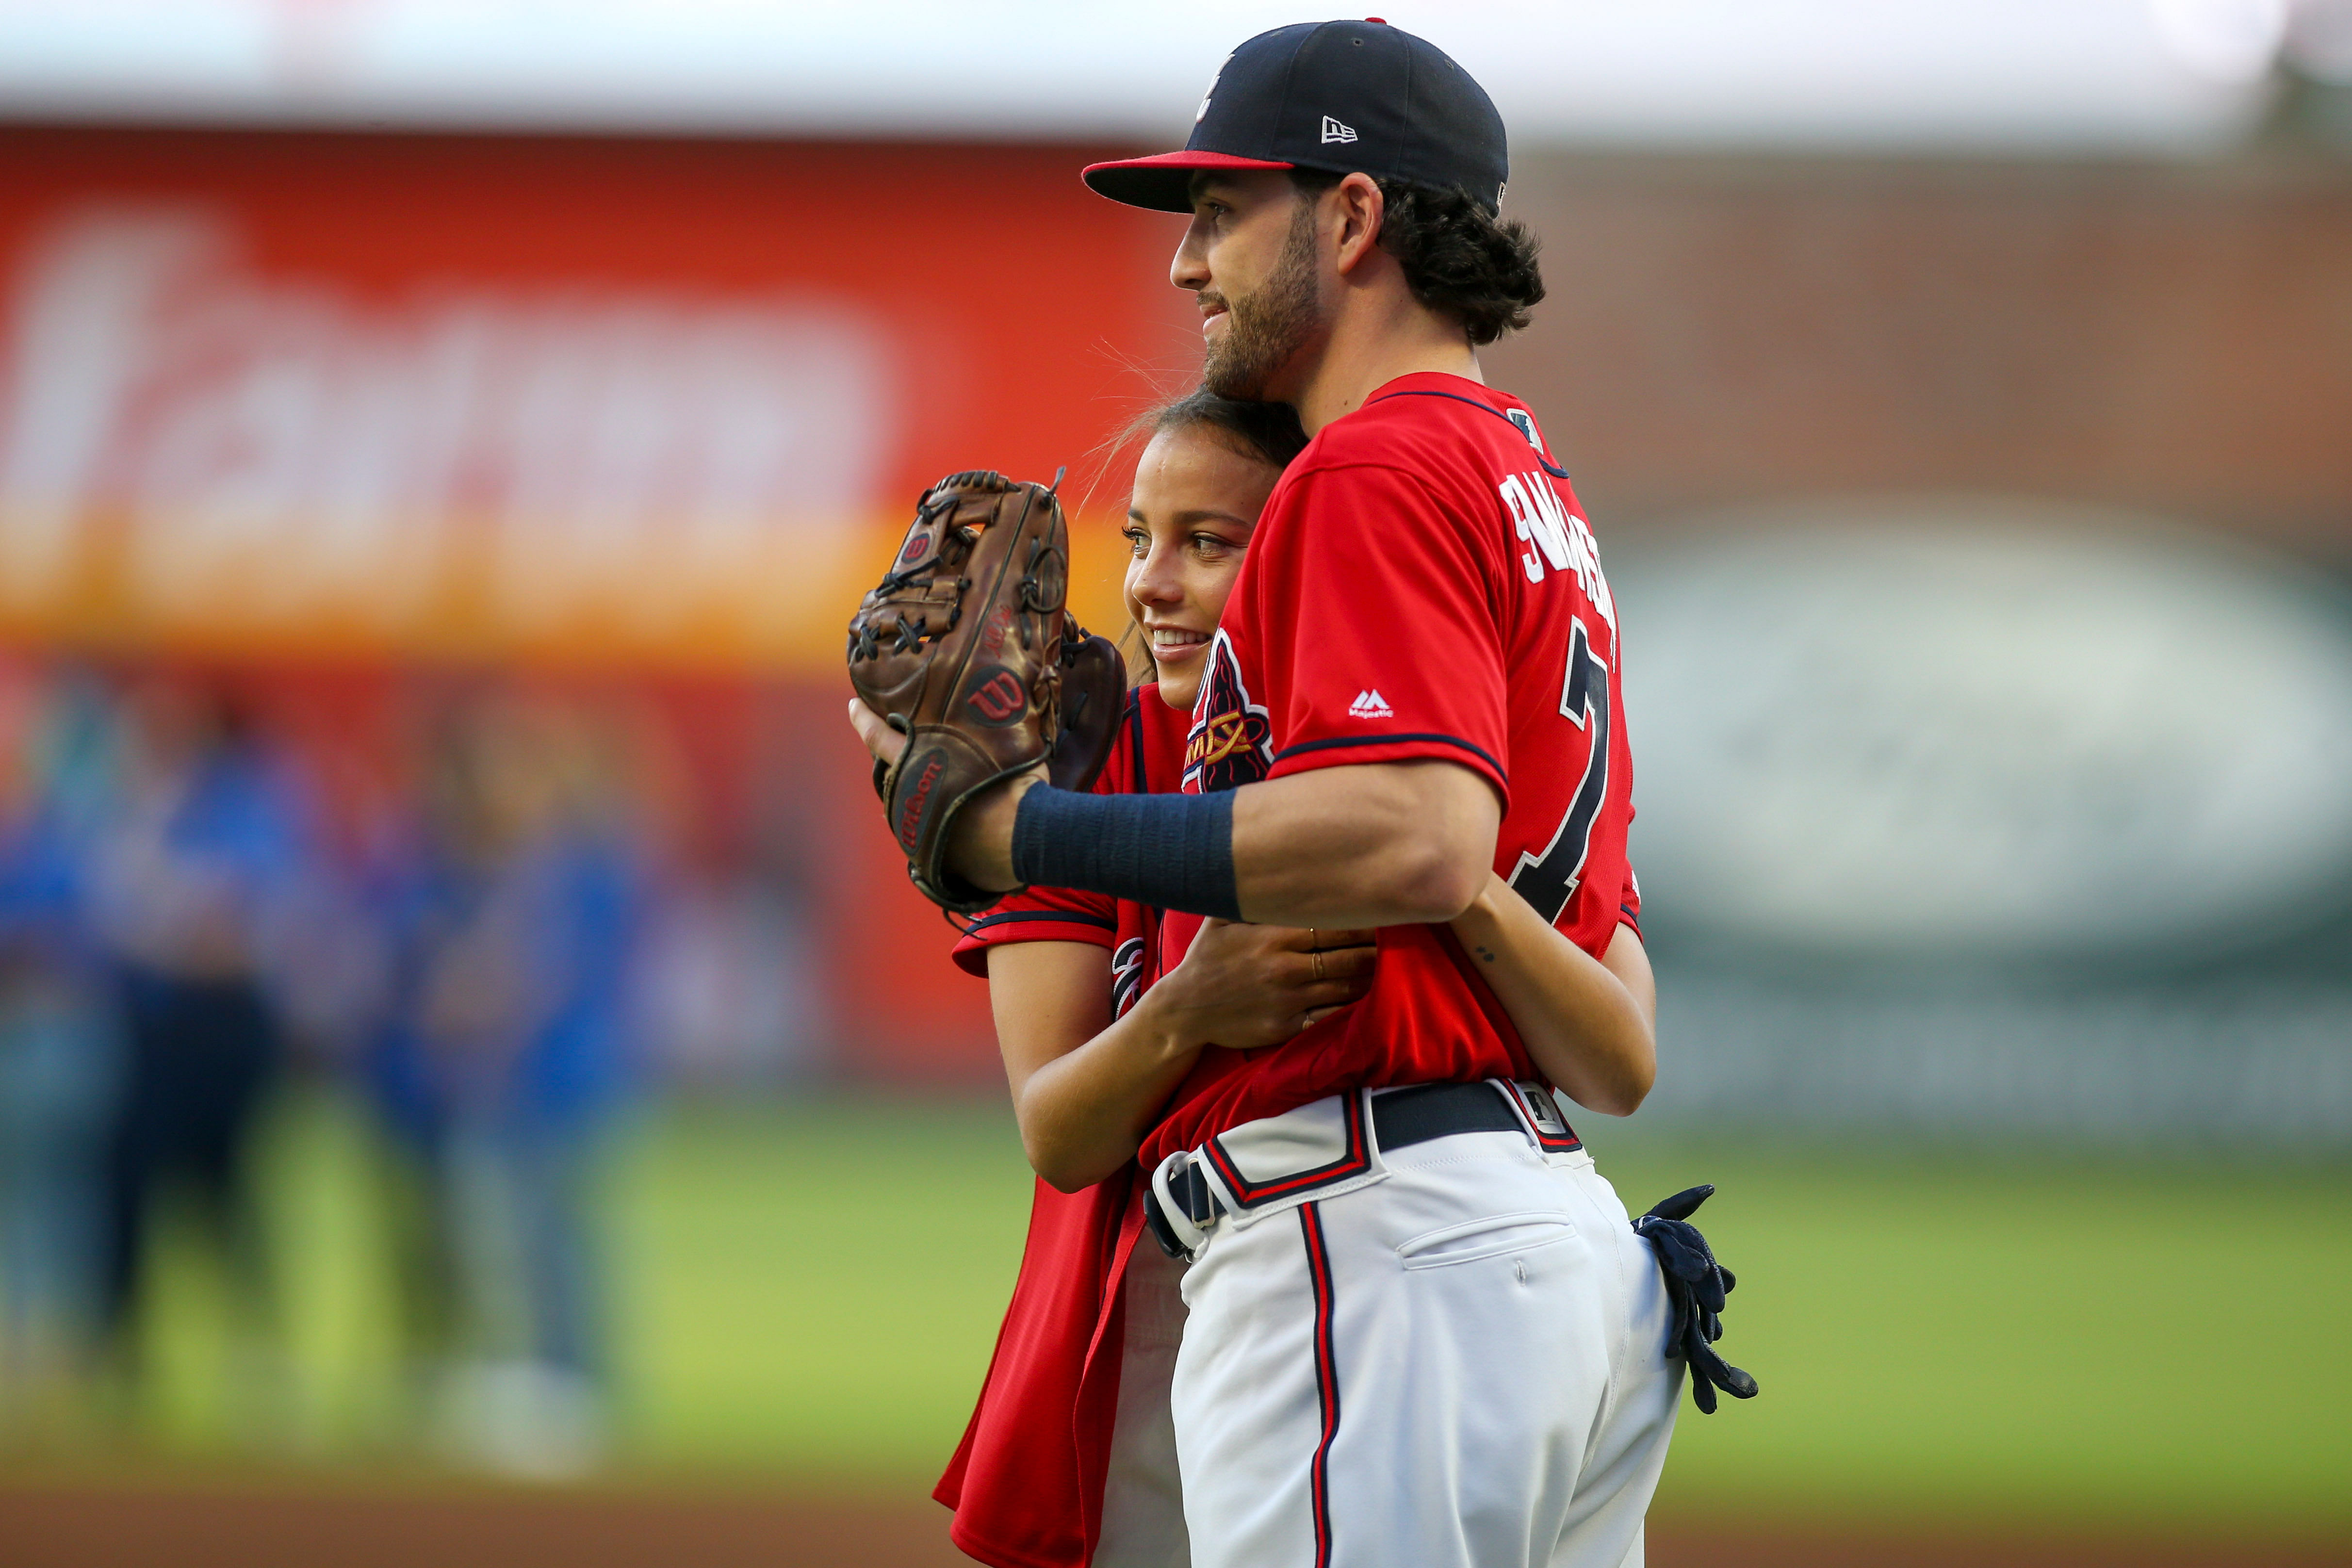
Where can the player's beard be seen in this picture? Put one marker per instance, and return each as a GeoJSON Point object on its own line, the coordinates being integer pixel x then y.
{"type": "Point", "coordinates": [1267, 328]}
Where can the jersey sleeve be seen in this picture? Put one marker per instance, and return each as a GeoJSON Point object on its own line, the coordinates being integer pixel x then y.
{"type": "Point", "coordinates": [1377, 619]}
{"type": "Point", "coordinates": [1629, 905]}
{"type": "Point", "coordinates": [1040, 914]}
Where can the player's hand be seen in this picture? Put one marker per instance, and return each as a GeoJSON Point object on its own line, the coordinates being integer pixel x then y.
{"type": "Point", "coordinates": [980, 844]}
{"type": "Point", "coordinates": [885, 742]}
{"type": "Point", "coordinates": [980, 840]}
{"type": "Point", "coordinates": [1243, 986]}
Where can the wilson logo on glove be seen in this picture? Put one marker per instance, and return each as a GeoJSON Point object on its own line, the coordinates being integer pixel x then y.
{"type": "Point", "coordinates": [911, 813]}
{"type": "Point", "coordinates": [1001, 700]}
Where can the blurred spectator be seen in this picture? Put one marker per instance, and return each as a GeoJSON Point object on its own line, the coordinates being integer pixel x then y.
{"type": "Point", "coordinates": [177, 922]}
{"type": "Point", "coordinates": [513, 900]}
{"type": "Point", "coordinates": [60, 1050]}
{"type": "Point", "coordinates": [201, 861]}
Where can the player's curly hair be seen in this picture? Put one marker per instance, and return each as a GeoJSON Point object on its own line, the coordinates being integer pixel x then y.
{"type": "Point", "coordinates": [1457, 257]}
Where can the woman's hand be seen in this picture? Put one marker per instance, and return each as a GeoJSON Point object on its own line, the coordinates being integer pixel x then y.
{"type": "Point", "coordinates": [980, 839]}
{"type": "Point", "coordinates": [1590, 1024]}
{"type": "Point", "coordinates": [1088, 1088]}
{"type": "Point", "coordinates": [1243, 986]}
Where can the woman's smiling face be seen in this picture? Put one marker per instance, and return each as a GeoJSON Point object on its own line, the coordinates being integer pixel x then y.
{"type": "Point", "coordinates": [1196, 501]}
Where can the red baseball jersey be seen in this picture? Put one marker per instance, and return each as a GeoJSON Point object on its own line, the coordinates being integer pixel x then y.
{"type": "Point", "coordinates": [1422, 585]}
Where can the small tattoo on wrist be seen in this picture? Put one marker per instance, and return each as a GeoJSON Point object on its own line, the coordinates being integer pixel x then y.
{"type": "Point", "coordinates": [1482, 952]}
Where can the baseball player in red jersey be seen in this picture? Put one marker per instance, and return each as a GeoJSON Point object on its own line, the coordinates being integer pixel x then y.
{"type": "Point", "coordinates": [1420, 1330]}
{"type": "Point", "coordinates": [1070, 1458]}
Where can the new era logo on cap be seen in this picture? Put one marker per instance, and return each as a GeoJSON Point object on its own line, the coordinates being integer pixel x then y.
{"type": "Point", "coordinates": [1370, 705]}
{"type": "Point", "coordinates": [1335, 132]}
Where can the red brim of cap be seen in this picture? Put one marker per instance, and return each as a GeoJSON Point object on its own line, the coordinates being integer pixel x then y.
{"type": "Point", "coordinates": [1162, 181]}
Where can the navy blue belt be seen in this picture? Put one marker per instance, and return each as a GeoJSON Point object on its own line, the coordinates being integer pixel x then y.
{"type": "Point", "coordinates": [1401, 1119]}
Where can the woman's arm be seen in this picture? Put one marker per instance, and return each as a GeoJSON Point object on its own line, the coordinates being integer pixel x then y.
{"type": "Point", "coordinates": [1590, 1024]}
{"type": "Point", "coordinates": [1086, 1088]}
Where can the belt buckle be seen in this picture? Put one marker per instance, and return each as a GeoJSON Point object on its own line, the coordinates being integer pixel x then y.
{"type": "Point", "coordinates": [1168, 1218]}
{"type": "Point", "coordinates": [1155, 1220]}
{"type": "Point", "coordinates": [1547, 1121]}
{"type": "Point", "coordinates": [1544, 1108]}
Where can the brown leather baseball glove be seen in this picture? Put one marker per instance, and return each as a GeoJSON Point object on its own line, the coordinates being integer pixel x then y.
{"type": "Point", "coordinates": [967, 650]}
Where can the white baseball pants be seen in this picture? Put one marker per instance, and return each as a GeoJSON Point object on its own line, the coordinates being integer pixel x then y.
{"type": "Point", "coordinates": [1461, 1365]}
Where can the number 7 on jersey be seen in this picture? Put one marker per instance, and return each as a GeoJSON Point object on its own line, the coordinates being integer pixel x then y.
{"type": "Point", "coordinates": [1548, 880]}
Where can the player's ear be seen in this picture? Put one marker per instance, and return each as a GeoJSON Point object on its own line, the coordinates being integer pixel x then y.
{"type": "Point", "coordinates": [1360, 209]}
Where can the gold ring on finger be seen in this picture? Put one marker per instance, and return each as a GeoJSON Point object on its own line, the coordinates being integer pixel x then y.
{"type": "Point", "coordinates": [1314, 942]}
{"type": "Point", "coordinates": [1318, 956]}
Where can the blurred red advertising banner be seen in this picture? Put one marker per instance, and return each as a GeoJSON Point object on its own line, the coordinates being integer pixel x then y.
{"type": "Point", "coordinates": [644, 402]}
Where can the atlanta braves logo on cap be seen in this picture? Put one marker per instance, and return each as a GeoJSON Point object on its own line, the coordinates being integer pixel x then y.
{"type": "Point", "coordinates": [1202, 112]}
{"type": "Point", "coordinates": [1342, 97]}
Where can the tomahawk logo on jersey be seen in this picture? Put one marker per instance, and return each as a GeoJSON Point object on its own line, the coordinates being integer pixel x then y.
{"type": "Point", "coordinates": [1422, 585]}
{"type": "Point", "coordinates": [1227, 746]}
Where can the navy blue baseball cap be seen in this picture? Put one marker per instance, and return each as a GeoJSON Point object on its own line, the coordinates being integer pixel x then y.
{"type": "Point", "coordinates": [1342, 97]}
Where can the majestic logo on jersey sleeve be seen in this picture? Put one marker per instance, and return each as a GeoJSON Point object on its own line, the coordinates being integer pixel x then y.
{"type": "Point", "coordinates": [1231, 741]}
{"type": "Point", "coordinates": [1371, 705]}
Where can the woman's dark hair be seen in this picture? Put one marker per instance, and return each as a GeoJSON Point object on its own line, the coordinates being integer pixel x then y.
{"type": "Point", "coordinates": [1270, 432]}
{"type": "Point", "coordinates": [1457, 257]}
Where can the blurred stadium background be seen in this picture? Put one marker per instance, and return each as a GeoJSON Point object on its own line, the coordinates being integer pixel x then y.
{"type": "Point", "coordinates": [474, 1082]}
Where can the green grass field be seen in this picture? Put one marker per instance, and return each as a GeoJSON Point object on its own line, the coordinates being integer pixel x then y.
{"type": "Point", "coordinates": [807, 1293]}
